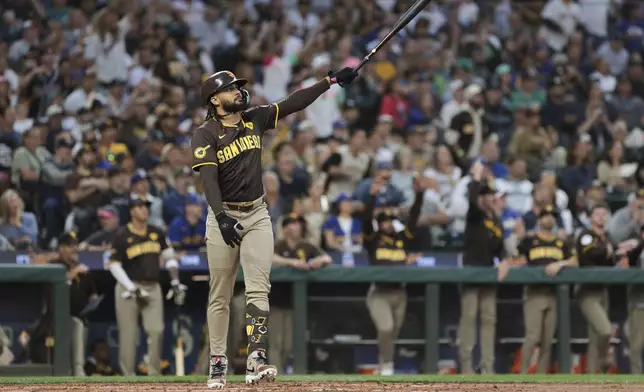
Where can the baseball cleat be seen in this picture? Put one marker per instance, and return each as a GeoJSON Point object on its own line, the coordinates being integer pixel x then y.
{"type": "Point", "coordinates": [258, 370]}
{"type": "Point", "coordinates": [217, 376]}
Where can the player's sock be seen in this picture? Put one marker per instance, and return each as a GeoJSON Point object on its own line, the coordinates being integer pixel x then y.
{"type": "Point", "coordinates": [256, 328]}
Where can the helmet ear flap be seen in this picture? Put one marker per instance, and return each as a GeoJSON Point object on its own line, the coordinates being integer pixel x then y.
{"type": "Point", "coordinates": [245, 96]}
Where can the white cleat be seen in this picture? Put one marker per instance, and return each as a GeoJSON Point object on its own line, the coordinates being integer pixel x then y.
{"type": "Point", "coordinates": [217, 375]}
{"type": "Point", "coordinates": [387, 369]}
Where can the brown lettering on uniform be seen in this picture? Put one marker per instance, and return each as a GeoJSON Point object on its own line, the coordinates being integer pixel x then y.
{"type": "Point", "coordinates": [227, 154]}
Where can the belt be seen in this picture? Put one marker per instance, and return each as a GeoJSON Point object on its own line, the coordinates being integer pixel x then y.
{"type": "Point", "coordinates": [246, 206]}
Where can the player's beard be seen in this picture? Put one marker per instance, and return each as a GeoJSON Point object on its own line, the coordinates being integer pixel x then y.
{"type": "Point", "coordinates": [234, 106]}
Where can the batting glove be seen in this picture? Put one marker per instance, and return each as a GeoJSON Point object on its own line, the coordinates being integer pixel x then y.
{"type": "Point", "coordinates": [344, 76]}
{"type": "Point", "coordinates": [137, 293]}
{"type": "Point", "coordinates": [229, 228]}
{"type": "Point", "coordinates": [177, 291]}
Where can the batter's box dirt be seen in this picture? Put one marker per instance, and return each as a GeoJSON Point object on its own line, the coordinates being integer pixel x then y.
{"type": "Point", "coordinates": [325, 386]}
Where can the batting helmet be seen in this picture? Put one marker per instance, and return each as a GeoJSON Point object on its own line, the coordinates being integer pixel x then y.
{"type": "Point", "coordinates": [220, 81]}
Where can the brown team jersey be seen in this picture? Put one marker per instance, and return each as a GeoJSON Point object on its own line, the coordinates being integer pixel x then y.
{"type": "Point", "coordinates": [540, 251]}
{"type": "Point", "coordinates": [236, 150]}
{"type": "Point", "coordinates": [304, 251]}
{"type": "Point", "coordinates": [139, 252]}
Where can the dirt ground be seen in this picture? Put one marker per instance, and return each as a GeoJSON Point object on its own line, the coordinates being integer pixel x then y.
{"type": "Point", "coordinates": [325, 386]}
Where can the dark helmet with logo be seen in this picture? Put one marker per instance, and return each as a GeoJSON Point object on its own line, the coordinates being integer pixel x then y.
{"type": "Point", "coordinates": [220, 81]}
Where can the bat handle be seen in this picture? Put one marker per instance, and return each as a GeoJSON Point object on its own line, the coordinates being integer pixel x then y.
{"type": "Point", "coordinates": [364, 60]}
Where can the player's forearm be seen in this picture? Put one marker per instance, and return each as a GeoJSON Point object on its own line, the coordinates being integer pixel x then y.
{"type": "Point", "coordinates": [209, 175]}
{"type": "Point", "coordinates": [121, 276]}
{"type": "Point", "coordinates": [414, 213]}
{"type": "Point", "coordinates": [280, 261]}
{"type": "Point", "coordinates": [171, 263]}
{"type": "Point", "coordinates": [302, 98]}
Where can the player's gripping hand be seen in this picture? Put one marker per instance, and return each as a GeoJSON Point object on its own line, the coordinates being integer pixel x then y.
{"type": "Point", "coordinates": [137, 293]}
{"type": "Point", "coordinates": [177, 291]}
{"type": "Point", "coordinates": [344, 76]}
{"type": "Point", "coordinates": [229, 228]}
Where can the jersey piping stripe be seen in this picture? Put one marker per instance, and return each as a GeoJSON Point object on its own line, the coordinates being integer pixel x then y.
{"type": "Point", "coordinates": [277, 114]}
{"type": "Point", "coordinates": [203, 164]}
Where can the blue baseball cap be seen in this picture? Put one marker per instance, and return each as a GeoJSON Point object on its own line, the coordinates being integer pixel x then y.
{"type": "Point", "coordinates": [138, 176]}
{"type": "Point", "coordinates": [192, 199]}
{"type": "Point", "coordinates": [342, 197]}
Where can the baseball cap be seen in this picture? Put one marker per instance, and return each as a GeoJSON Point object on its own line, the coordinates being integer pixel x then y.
{"type": "Point", "coordinates": [192, 199]}
{"type": "Point", "coordinates": [68, 239]}
{"type": "Point", "coordinates": [107, 212]}
{"type": "Point", "coordinates": [63, 142]}
{"type": "Point", "coordinates": [137, 201]}
{"type": "Point", "coordinates": [547, 210]}
{"type": "Point", "coordinates": [291, 218]}
{"type": "Point", "coordinates": [138, 176]}
{"type": "Point", "coordinates": [455, 85]}
{"type": "Point", "coordinates": [472, 90]}
{"type": "Point", "coordinates": [342, 197]}
{"type": "Point", "coordinates": [385, 215]}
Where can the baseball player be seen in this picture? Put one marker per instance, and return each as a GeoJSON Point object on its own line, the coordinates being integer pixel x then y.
{"type": "Point", "coordinates": [387, 303]}
{"type": "Point", "coordinates": [134, 263]}
{"type": "Point", "coordinates": [82, 290]}
{"type": "Point", "coordinates": [227, 151]}
{"type": "Point", "coordinates": [595, 250]}
{"type": "Point", "coordinates": [542, 249]}
{"type": "Point", "coordinates": [484, 237]}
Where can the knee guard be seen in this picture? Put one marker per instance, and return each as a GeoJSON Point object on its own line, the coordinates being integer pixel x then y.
{"type": "Point", "coordinates": [256, 328]}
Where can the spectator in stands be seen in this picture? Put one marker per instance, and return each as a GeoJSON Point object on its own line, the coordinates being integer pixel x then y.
{"type": "Point", "coordinates": [98, 362]}
{"type": "Point", "coordinates": [444, 171]}
{"type": "Point", "coordinates": [609, 169]}
{"type": "Point", "coordinates": [347, 166]}
{"type": "Point", "coordinates": [174, 201]}
{"type": "Point", "coordinates": [628, 221]}
{"type": "Point", "coordinates": [542, 197]}
{"type": "Point", "coordinates": [101, 240]}
{"type": "Point", "coordinates": [513, 228]}
{"type": "Point", "coordinates": [83, 190]}
{"type": "Point", "coordinates": [294, 180]}
{"type": "Point", "coordinates": [188, 232]}
{"type": "Point", "coordinates": [55, 173]}
{"type": "Point", "coordinates": [532, 142]}
{"type": "Point", "coordinates": [580, 172]}
{"type": "Point", "coordinates": [26, 168]}
{"type": "Point", "coordinates": [389, 196]}
{"type": "Point", "coordinates": [342, 232]}
{"type": "Point", "coordinates": [118, 193]}
{"type": "Point", "coordinates": [140, 187]}
{"type": "Point", "coordinates": [18, 226]}
{"type": "Point", "coordinates": [516, 186]}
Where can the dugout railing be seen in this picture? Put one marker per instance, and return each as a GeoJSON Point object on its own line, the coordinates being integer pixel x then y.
{"type": "Point", "coordinates": [432, 279]}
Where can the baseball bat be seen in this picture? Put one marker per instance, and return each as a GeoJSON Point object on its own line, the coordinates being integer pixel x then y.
{"type": "Point", "coordinates": [179, 357]}
{"type": "Point", "coordinates": [400, 24]}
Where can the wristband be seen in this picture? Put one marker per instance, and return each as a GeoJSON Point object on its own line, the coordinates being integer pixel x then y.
{"type": "Point", "coordinates": [174, 282]}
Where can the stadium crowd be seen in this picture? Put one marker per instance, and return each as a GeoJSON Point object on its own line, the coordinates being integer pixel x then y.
{"type": "Point", "coordinates": [98, 101]}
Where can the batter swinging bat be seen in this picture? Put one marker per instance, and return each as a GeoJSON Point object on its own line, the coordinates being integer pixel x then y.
{"type": "Point", "coordinates": [402, 22]}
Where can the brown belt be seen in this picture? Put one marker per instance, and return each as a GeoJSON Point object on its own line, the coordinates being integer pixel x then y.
{"type": "Point", "coordinates": [244, 206]}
